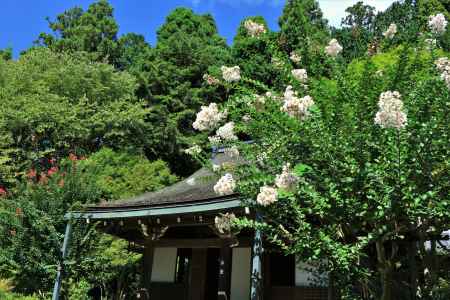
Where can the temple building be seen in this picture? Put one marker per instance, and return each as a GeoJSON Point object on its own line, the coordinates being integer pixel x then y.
{"type": "Point", "coordinates": [190, 254]}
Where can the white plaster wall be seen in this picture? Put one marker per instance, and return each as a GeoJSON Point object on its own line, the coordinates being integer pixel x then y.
{"type": "Point", "coordinates": [306, 275]}
{"type": "Point", "coordinates": [240, 273]}
{"type": "Point", "coordinates": [164, 264]}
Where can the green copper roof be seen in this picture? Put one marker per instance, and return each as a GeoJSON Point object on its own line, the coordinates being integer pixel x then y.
{"type": "Point", "coordinates": [149, 211]}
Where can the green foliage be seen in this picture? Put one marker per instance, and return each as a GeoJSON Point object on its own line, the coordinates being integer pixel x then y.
{"type": "Point", "coordinates": [188, 45]}
{"type": "Point", "coordinates": [6, 54]}
{"type": "Point", "coordinates": [301, 25]}
{"type": "Point", "coordinates": [93, 31]}
{"type": "Point", "coordinates": [54, 104]}
{"type": "Point", "coordinates": [256, 55]}
{"type": "Point", "coordinates": [37, 209]}
{"type": "Point", "coordinates": [304, 30]}
{"type": "Point", "coordinates": [357, 30]}
{"type": "Point", "coordinates": [121, 174]}
{"type": "Point", "coordinates": [6, 294]}
{"type": "Point", "coordinates": [367, 198]}
{"type": "Point", "coordinates": [13, 296]}
{"type": "Point", "coordinates": [79, 290]}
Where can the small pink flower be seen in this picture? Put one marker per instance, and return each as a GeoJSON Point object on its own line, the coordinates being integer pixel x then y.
{"type": "Point", "coordinates": [31, 174]}
{"type": "Point", "coordinates": [52, 171]}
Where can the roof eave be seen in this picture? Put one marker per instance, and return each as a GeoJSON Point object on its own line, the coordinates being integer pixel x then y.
{"type": "Point", "coordinates": [152, 211]}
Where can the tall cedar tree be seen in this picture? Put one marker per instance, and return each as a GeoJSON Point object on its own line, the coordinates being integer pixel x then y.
{"type": "Point", "coordinates": [304, 30]}
{"type": "Point", "coordinates": [188, 46]}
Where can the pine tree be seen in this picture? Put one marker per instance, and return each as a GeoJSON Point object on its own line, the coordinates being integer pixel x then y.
{"type": "Point", "coordinates": [301, 23]}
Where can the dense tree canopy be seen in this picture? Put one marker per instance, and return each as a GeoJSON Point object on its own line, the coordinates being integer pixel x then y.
{"type": "Point", "coordinates": [304, 31]}
{"type": "Point", "coordinates": [89, 116]}
{"type": "Point", "coordinates": [55, 104]}
{"type": "Point", "coordinates": [93, 31]}
{"type": "Point", "coordinates": [188, 47]}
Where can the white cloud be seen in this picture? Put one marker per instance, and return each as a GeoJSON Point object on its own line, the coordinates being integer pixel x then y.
{"type": "Point", "coordinates": [334, 10]}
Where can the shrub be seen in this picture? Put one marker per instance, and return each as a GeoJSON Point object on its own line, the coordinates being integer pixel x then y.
{"type": "Point", "coordinates": [120, 174]}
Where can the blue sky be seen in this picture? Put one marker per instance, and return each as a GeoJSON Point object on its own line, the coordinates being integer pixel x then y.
{"type": "Point", "coordinates": [21, 21]}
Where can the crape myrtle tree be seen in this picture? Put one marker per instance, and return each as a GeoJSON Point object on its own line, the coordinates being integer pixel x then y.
{"type": "Point", "coordinates": [411, 18]}
{"type": "Point", "coordinates": [32, 229]}
{"type": "Point", "coordinates": [349, 173]}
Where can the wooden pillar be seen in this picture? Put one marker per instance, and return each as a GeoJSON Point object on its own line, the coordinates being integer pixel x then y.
{"type": "Point", "coordinates": [198, 274]}
{"type": "Point", "coordinates": [223, 291]}
{"type": "Point", "coordinates": [147, 265]}
{"type": "Point", "coordinates": [256, 289]}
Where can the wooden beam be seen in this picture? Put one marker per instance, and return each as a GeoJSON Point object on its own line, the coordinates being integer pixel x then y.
{"type": "Point", "coordinates": [198, 243]}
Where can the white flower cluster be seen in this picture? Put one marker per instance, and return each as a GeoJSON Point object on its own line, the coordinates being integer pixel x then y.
{"type": "Point", "coordinates": [224, 221]}
{"type": "Point", "coordinates": [300, 74]}
{"type": "Point", "coordinates": [225, 185]}
{"type": "Point", "coordinates": [296, 107]}
{"type": "Point", "coordinates": [231, 74]}
{"type": "Point", "coordinates": [333, 48]}
{"type": "Point", "coordinates": [443, 65]}
{"type": "Point", "coordinates": [232, 151]}
{"type": "Point", "coordinates": [267, 196]}
{"type": "Point", "coordinates": [208, 117]}
{"type": "Point", "coordinates": [226, 132]}
{"type": "Point", "coordinates": [210, 80]}
{"type": "Point", "coordinates": [294, 57]}
{"type": "Point", "coordinates": [287, 179]}
{"type": "Point", "coordinates": [391, 31]}
{"type": "Point", "coordinates": [254, 29]}
{"type": "Point", "coordinates": [246, 118]}
{"type": "Point", "coordinates": [390, 113]}
{"type": "Point", "coordinates": [437, 23]}
{"type": "Point", "coordinates": [214, 140]}
{"type": "Point", "coordinates": [261, 158]}
{"type": "Point", "coordinates": [194, 150]}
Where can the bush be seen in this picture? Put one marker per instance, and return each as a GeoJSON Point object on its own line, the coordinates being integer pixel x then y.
{"type": "Point", "coordinates": [122, 174]}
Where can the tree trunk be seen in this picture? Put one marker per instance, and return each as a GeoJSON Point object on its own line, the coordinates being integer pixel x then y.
{"type": "Point", "coordinates": [412, 251]}
{"type": "Point", "coordinates": [385, 269]}
{"type": "Point", "coordinates": [386, 277]}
